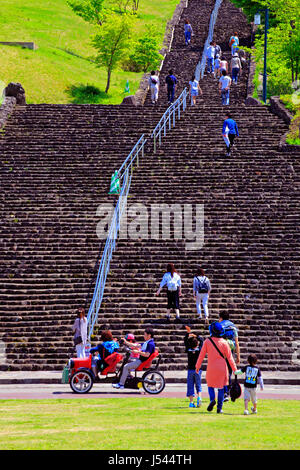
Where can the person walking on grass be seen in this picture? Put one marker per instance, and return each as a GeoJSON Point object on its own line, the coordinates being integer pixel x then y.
{"type": "Point", "coordinates": [172, 280]}
{"type": "Point", "coordinates": [230, 132]}
{"type": "Point", "coordinates": [201, 290]}
{"type": "Point", "coordinates": [171, 82]}
{"type": "Point", "coordinates": [224, 87]}
{"type": "Point", "coordinates": [231, 336]}
{"type": "Point", "coordinates": [218, 355]}
{"type": "Point", "coordinates": [193, 345]}
{"type": "Point", "coordinates": [252, 377]}
{"type": "Point", "coordinates": [188, 32]}
{"type": "Point", "coordinates": [194, 90]}
{"type": "Point", "coordinates": [154, 86]}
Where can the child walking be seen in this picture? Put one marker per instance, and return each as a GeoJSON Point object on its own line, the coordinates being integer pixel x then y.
{"type": "Point", "coordinates": [193, 345]}
{"type": "Point", "coordinates": [252, 376]}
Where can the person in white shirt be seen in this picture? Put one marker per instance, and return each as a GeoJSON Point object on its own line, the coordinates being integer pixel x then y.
{"type": "Point", "coordinates": [154, 86]}
{"type": "Point", "coordinates": [224, 87]}
{"type": "Point", "coordinates": [210, 56]}
{"type": "Point", "coordinates": [236, 67]}
{"type": "Point", "coordinates": [173, 282]}
{"type": "Point", "coordinates": [194, 90]}
{"type": "Point", "coordinates": [201, 290]}
{"type": "Point", "coordinates": [223, 65]}
{"type": "Point", "coordinates": [80, 333]}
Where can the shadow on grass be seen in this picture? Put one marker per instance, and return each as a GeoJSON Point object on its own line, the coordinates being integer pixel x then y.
{"type": "Point", "coordinates": [86, 94]}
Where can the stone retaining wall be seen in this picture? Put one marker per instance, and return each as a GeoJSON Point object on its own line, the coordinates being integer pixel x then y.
{"type": "Point", "coordinates": [6, 109]}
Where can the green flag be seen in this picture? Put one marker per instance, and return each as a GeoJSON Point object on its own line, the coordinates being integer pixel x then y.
{"type": "Point", "coordinates": [127, 89]}
{"type": "Point", "coordinates": [114, 184]}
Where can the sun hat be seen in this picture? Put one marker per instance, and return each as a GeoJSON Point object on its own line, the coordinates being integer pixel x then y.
{"type": "Point", "coordinates": [235, 54]}
{"type": "Point", "coordinates": [216, 329]}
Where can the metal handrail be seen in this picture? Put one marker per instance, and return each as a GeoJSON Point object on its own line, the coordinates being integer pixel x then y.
{"type": "Point", "coordinates": [200, 69]}
{"type": "Point", "coordinates": [109, 248]}
{"type": "Point", "coordinates": [125, 175]}
{"type": "Point", "coordinates": [168, 119]}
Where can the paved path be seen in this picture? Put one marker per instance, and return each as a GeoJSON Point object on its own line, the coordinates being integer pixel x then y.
{"type": "Point", "coordinates": [59, 391]}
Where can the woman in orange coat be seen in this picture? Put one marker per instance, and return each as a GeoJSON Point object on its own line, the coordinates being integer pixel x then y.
{"type": "Point", "coordinates": [217, 371]}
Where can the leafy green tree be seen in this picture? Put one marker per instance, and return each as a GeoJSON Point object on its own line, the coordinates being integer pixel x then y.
{"type": "Point", "coordinates": [113, 42]}
{"type": "Point", "coordinates": [146, 55]}
{"type": "Point", "coordinates": [91, 11]}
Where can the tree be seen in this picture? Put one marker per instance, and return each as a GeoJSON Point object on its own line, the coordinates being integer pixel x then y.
{"type": "Point", "coordinates": [113, 42]}
{"type": "Point", "coordinates": [146, 55]}
{"type": "Point", "coordinates": [91, 11]}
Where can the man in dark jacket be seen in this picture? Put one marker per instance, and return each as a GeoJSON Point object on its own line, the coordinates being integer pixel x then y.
{"type": "Point", "coordinates": [171, 85]}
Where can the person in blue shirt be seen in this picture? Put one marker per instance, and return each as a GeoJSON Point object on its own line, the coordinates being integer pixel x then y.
{"type": "Point", "coordinates": [108, 346]}
{"type": "Point", "coordinates": [231, 336]}
{"type": "Point", "coordinates": [148, 348]}
{"type": "Point", "coordinates": [230, 132]}
{"type": "Point", "coordinates": [171, 82]}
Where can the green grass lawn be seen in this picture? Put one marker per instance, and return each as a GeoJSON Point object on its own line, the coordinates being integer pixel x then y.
{"type": "Point", "coordinates": [146, 423]}
{"type": "Point", "coordinates": [63, 40]}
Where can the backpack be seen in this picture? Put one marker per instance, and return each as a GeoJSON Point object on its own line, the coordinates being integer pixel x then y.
{"type": "Point", "coordinates": [154, 81]}
{"type": "Point", "coordinates": [203, 286]}
{"type": "Point", "coordinates": [230, 336]}
{"type": "Point", "coordinates": [235, 390]}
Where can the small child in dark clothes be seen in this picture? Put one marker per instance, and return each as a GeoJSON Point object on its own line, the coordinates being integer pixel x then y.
{"type": "Point", "coordinates": [193, 345]}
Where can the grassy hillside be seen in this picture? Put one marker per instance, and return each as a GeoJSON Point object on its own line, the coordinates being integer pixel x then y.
{"type": "Point", "coordinates": [61, 61]}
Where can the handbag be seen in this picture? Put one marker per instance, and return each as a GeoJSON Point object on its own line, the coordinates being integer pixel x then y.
{"type": "Point", "coordinates": [77, 340]}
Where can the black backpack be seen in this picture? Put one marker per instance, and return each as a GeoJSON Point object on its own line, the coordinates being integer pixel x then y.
{"type": "Point", "coordinates": [235, 390]}
{"type": "Point", "coordinates": [202, 285]}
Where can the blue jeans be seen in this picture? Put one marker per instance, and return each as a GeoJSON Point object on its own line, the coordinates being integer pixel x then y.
{"type": "Point", "coordinates": [235, 74]}
{"type": "Point", "coordinates": [225, 97]}
{"type": "Point", "coordinates": [193, 380]}
{"type": "Point", "coordinates": [171, 92]}
{"type": "Point", "coordinates": [210, 65]}
{"type": "Point", "coordinates": [212, 396]}
{"type": "Point", "coordinates": [187, 36]}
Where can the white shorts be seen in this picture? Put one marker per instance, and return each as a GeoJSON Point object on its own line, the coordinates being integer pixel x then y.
{"type": "Point", "coordinates": [250, 394]}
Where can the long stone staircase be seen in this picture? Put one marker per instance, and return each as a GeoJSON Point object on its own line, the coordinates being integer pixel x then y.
{"type": "Point", "coordinates": [56, 167]}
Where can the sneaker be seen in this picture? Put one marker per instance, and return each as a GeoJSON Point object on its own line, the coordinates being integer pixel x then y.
{"type": "Point", "coordinates": [178, 320]}
{"type": "Point", "coordinates": [253, 410]}
{"type": "Point", "coordinates": [199, 402]}
{"type": "Point", "coordinates": [192, 405]}
{"type": "Point", "coordinates": [220, 411]}
{"type": "Point", "coordinates": [246, 412]}
{"type": "Point", "coordinates": [118, 385]}
{"type": "Point", "coordinates": [226, 398]}
{"type": "Point", "coordinates": [211, 405]}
